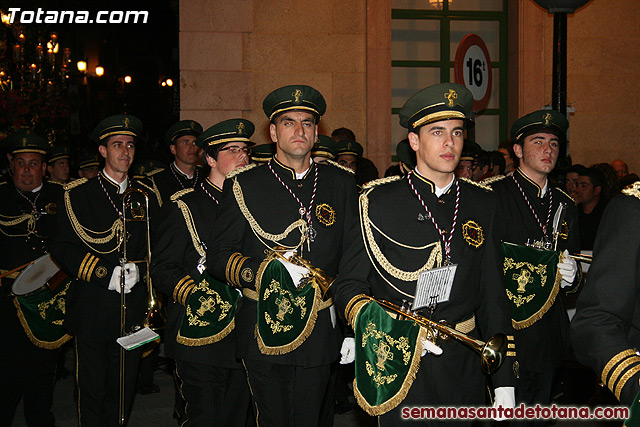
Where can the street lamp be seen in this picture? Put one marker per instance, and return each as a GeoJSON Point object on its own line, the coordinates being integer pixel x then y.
{"type": "Point", "coordinates": [99, 71]}
{"type": "Point", "coordinates": [560, 9]}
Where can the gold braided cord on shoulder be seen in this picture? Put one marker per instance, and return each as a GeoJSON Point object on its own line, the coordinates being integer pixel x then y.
{"type": "Point", "coordinates": [153, 189]}
{"type": "Point", "coordinates": [115, 231]}
{"type": "Point", "coordinates": [188, 219]}
{"type": "Point", "coordinates": [372, 247]}
{"type": "Point", "coordinates": [15, 220]}
{"type": "Point", "coordinates": [255, 227]}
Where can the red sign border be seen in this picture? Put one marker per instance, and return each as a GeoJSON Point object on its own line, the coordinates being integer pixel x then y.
{"type": "Point", "coordinates": [458, 67]}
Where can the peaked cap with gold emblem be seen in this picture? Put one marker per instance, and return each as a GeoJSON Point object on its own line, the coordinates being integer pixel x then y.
{"type": "Point", "coordinates": [87, 160]}
{"type": "Point", "coordinates": [263, 153]}
{"type": "Point", "coordinates": [120, 124]}
{"type": "Point", "coordinates": [182, 128]}
{"type": "Point", "coordinates": [292, 98]}
{"type": "Point", "coordinates": [25, 141]}
{"type": "Point", "coordinates": [443, 101]}
{"type": "Point", "coordinates": [540, 121]}
{"type": "Point", "coordinates": [58, 153]}
{"type": "Point", "coordinates": [325, 147]}
{"type": "Point", "coordinates": [232, 130]}
{"type": "Point", "coordinates": [349, 147]}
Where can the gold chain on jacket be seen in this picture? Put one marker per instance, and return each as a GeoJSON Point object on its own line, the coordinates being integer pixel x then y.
{"type": "Point", "coordinates": [114, 231]}
{"type": "Point", "coordinates": [300, 224]}
{"type": "Point", "coordinates": [31, 224]}
{"type": "Point", "coordinates": [188, 219]}
{"type": "Point", "coordinates": [406, 276]}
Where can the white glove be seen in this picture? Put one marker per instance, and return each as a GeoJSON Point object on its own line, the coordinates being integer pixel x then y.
{"type": "Point", "coordinates": [505, 397]}
{"type": "Point", "coordinates": [429, 347]}
{"type": "Point", "coordinates": [568, 268]}
{"type": "Point", "coordinates": [296, 272]}
{"type": "Point", "coordinates": [131, 277]}
{"type": "Point", "coordinates": [348, 351]}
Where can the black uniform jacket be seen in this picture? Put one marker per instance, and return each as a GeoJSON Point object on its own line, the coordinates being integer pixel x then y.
{"type": "Point", "coordinates": [24, 233]}
{"type": "Point", "coordinates": [174, 269]}
{"type": "Point", "coordinates": [88, 246]}
{"type": "Point", "coordinates": [477, 294]}
{"type": "Point", "coordinates": [541, 346]}
{"type": "Point", "coordinates": [166, 182]}
{"type": "Point", "coordinates": [334, 218]}
{"type": "Point", "coordinates": [605, 332]}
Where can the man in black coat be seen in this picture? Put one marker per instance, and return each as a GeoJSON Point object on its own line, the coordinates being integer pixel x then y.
{"type": "Point", "coordinates": [417, 224]}
{"type": "Point", "coordinates": [89, 244]}
{"type": "Point", "coordinates": [27, 218]}
{"type": "Point", "coordinates": [212, 380]}
{"type": "Point", "coordinates": [527, 207]}
{"type": "Point", "coordinates": [288, 205]}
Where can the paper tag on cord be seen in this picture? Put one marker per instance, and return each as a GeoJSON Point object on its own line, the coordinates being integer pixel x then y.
{"type": "Point", "coordinates": [135, 340]}
{"type": "Point", "coordinates": [434, 286]}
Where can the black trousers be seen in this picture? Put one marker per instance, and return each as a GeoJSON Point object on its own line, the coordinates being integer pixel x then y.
{"type": "Point", "coordinates": [98, 378]}
{"type": "Point", "coordinates": [534, 388]}
{"type": "Point", "coordinates": [214, 396]}
{"type": "Point", "coordinates": [286, 396]}
{"type": "Point", "coordinates": [26, 372]}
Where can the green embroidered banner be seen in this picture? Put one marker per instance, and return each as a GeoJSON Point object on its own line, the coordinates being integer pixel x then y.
{"type": "Point", "coordinates": [41, 314]}
{"type": "Point", "coordinates": [387, 358]}
{"type": "Point", "coordinates": [532, 282]}
{"type": "Point", "coordinates": [286, 314]}
{"type": "Point", "coordinates": [209, 313]}
{"type": "Point", "coordinates": [634, 413]}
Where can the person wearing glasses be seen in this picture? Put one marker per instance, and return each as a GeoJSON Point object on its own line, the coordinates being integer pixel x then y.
{"type": "Point", "coordinates": [183, 172]}
{"type": "Point", "coordinates": [212, 381]}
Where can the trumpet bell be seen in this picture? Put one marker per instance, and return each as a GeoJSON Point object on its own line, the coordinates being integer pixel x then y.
{"type": "Point", "coordinates": [492, 353]}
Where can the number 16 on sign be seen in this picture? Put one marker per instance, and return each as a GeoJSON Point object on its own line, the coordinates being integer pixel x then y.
{"type": "Point", "coordinates": [472, 68]}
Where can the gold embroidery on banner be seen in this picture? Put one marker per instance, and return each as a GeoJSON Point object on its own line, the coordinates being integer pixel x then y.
{"type": "Point", "coordinates": [209, 303]}
{"type": "Point", "coordinates": [473, 233]}
{"type": "Point", "coordinates": [285, 302]}
{"type": "Point", "coordinates": [541, 269]}
{"type": "Point", "coordinates": [450, 97]}
{"type": "Point", "coordinates": [326, 214]}
{"type": "Point", "coordinates": [383, 347]}
{"type": "Point", "coordinates": [58, 302]}
{"type": "Point", "coordinates": [523, 279]}
{"type": "Point", "coordinates": [518, 300]}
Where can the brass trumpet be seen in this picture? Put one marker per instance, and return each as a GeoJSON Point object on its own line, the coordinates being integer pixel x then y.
{"type": "Point", "coordinates": [492, 352]}
{"type": "Point", "coordinates": [317, 275]}
{"type": "Point", "coordinates": [582, 258]}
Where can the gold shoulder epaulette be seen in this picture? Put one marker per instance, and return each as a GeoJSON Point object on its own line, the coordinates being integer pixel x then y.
{"type": "Point", "coordinates": [57, 183]}
{"type": "Point", "coordinates": [180, 193]}
{"type": "Point", "coordinates": [240, 170]}
{"type": "Point", "coordinates": [380, 181]}
{"type": "Point", "coordinates": [477, 184]}
{"type": "Point", "coordinates": [492, 179]}
{"type": "Point", "coordinates": [74, 184]}
{"type": "Point", "coordinates": [632, 190]}
{"type": "Point", "coordinates": [153, 172]}
{"type": "Point", "coordinates": [563, 192]}
{"type": "Point", "coordinates": [344, 168]}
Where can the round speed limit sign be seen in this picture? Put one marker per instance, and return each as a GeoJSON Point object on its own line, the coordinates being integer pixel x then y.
{"type": "Point", "coordinates": [472, 68]}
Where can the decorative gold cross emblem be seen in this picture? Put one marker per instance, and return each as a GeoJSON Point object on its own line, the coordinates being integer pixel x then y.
{"type": "Point", "coordinates": [284, 307]}
{"type": "Point", "coordinates": [297, 94]}
{"type": "Point", "coordinates": [451, 95]}
{"type": "Point", "coordinates": [240, 128]}
{"type": "Point", "coordinates": [547, 119]}
{"type": "Point", "coordinates": [523, 279]}
{"type": "Point", "coordinates": [206, 304]}
{"type": "Point", "coordinates": [383, 352]}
